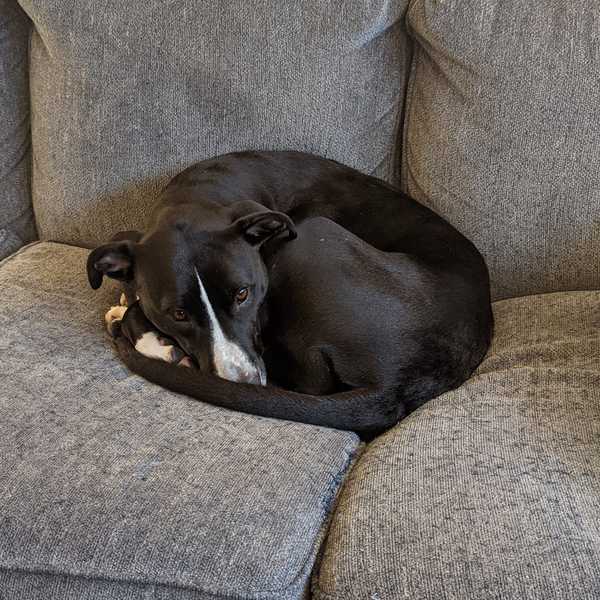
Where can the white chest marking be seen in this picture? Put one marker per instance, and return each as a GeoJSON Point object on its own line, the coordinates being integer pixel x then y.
{"type": "Point", "coordinates": [230, 361]}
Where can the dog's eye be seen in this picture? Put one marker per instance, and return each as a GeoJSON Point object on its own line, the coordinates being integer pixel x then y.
{"type": "Point", "coordinates": [241, 295]}
{"type": "Point", "coordinates": [180, 315]}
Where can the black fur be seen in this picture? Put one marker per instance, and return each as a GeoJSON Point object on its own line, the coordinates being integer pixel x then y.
{"type": "Point", "coordinates": [376, 307]}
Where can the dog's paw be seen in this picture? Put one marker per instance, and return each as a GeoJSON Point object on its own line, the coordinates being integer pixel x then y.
{"type": "Point", "coordinates": [152, 345]}
{"type": "Point", "coordinates": [113, 319]}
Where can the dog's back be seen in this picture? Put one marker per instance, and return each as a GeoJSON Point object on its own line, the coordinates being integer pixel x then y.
{"type": "Point", "coordinates": [366, 317]}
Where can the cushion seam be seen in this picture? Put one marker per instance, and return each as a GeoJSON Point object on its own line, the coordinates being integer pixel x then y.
{"type": "Point", "coordinates": [557, 369]}
{"type": "Point", "coordinates": [22, 249]}
{"type": "Point", "coordinates": [408, 99]}
{"type": "Point", "coordinates": [124, 581]}
{"type": "Point", "coordinates": [580, 292]}
{"type": "Point", "coordinates": [320, 539]}
{"type": "Point", "coordinates": [314, 578]}
{"type": "Point", "coordinates": [321, 595]}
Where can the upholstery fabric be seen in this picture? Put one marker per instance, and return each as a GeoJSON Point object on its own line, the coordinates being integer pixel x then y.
{"type": "Point", "coordinates": [16, 217]}
{"type": "Point", "coordinates": [501, 134]}
{"type": "Point", "coordinates": [492, 490]}
{"type": "Point", "coordinates": [112, 488]}
{"type": "Point", "coordinates": [126, 94]}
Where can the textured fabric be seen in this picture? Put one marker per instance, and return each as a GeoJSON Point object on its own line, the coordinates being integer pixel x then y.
{"type": "Point", "coordinates": [16, 217]}
{"type": "Point", "coordinates": [490, 491]}
{"type": "Point", "coordinates": [113, 488]}
{"type": "Point", "coordinates": [125, 94]}
{"type": "Point", "coordinates": [502, 131]}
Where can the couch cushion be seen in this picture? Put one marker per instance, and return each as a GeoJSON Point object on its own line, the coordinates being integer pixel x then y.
{"type": "Point", "coordinates": [113, 488]}
{"type": "Point", "coordinates": [492, 490]}
{"type": "Point", "coordinates": [125, 94]}
{"type": "Point", "coordinates": [16, 216]}
{"type": "Point", "coordinates": [502, 131]}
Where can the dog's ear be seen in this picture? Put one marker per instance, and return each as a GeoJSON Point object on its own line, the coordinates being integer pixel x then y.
{"type": "Point", "coordinates": [113, 260]}
{"type": "Point", "coordinates": [259, 227]}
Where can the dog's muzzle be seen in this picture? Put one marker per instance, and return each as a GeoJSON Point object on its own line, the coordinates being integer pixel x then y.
{"type": "Point", "coordinates": [241, 369]}
{"type": "Point", "coordinates": [255, 376]}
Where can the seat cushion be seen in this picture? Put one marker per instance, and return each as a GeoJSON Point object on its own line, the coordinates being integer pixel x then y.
{"type": "Point", "coordinates": [16, 216]}
{"type": "Point", "coordinates": [125, 94]}
{"type": "Point", "coordinates": [113, 488]}
{"type": "Point", "coordinates": [502, 132]}
{"type": "Point", "coordinates": [492, 490]}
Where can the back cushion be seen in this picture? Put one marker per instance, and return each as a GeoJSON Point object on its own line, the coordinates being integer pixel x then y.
{"type": "Point", "coordinates": [125, 94]}
{"type": "Point", "coordinates": [503, 134]}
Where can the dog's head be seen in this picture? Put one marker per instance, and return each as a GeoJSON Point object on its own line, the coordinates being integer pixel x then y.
{"type": "Point", "coordinates": [202, 288]}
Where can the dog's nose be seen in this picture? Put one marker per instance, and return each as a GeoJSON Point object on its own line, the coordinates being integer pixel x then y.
{"type": "Point", "coordinates": [243, 376]}
{"type": "Point", "coordinates": [259, 377]}
{"type": "Point", "coordinates": [254, 379]}
{"type": "Point", "coordinates": [239, 374]}
{"type": "Point", "coordinates": [234, 364]}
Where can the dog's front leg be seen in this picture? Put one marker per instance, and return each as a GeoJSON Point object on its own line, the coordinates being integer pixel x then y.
{"type": "Point", "coordinates": [131, 322]}
{"type": "Point", "coordinates": [113, 318]}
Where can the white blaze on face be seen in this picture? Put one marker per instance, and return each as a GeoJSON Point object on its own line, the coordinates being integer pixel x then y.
{"type": "Point", "coordinates": [230, 361]}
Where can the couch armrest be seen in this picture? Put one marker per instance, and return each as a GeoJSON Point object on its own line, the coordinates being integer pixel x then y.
{"type": "Point", "coordinates": [17, 225]}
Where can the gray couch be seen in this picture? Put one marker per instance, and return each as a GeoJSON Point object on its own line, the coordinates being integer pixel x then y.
{"type": "Point", "coordinates": [111, 488]}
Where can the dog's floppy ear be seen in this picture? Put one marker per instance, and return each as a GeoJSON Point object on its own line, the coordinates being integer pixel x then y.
{"type": "Point", "coordinates": [259, 227]}
{"type": "Point", "coordinates": [113, 260]}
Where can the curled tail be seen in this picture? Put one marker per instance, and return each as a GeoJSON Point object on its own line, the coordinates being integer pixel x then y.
{"type": "Point", "coordinates": [367, 411]}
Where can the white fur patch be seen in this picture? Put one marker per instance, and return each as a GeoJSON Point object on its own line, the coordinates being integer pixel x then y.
{"type": "Point", "coordinates": [230, 361]}
{"type": "Point", "coordinates": [149, 345]}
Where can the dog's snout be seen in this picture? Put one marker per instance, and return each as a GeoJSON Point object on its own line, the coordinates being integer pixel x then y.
{"type": "Point", "coordinates": [243, 377]}
{"type": "Point", "coordinates": [242, 374]}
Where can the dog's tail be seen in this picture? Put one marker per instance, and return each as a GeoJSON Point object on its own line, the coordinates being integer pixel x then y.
{"type": "Point", "coordinates": [367, 411]}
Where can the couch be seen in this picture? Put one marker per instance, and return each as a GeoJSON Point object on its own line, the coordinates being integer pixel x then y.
{"type": "Point", "coordinates": [112, 488]}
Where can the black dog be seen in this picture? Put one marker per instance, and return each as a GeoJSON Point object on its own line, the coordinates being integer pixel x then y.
{"type": "Point", "coordinates": [359, 301]}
